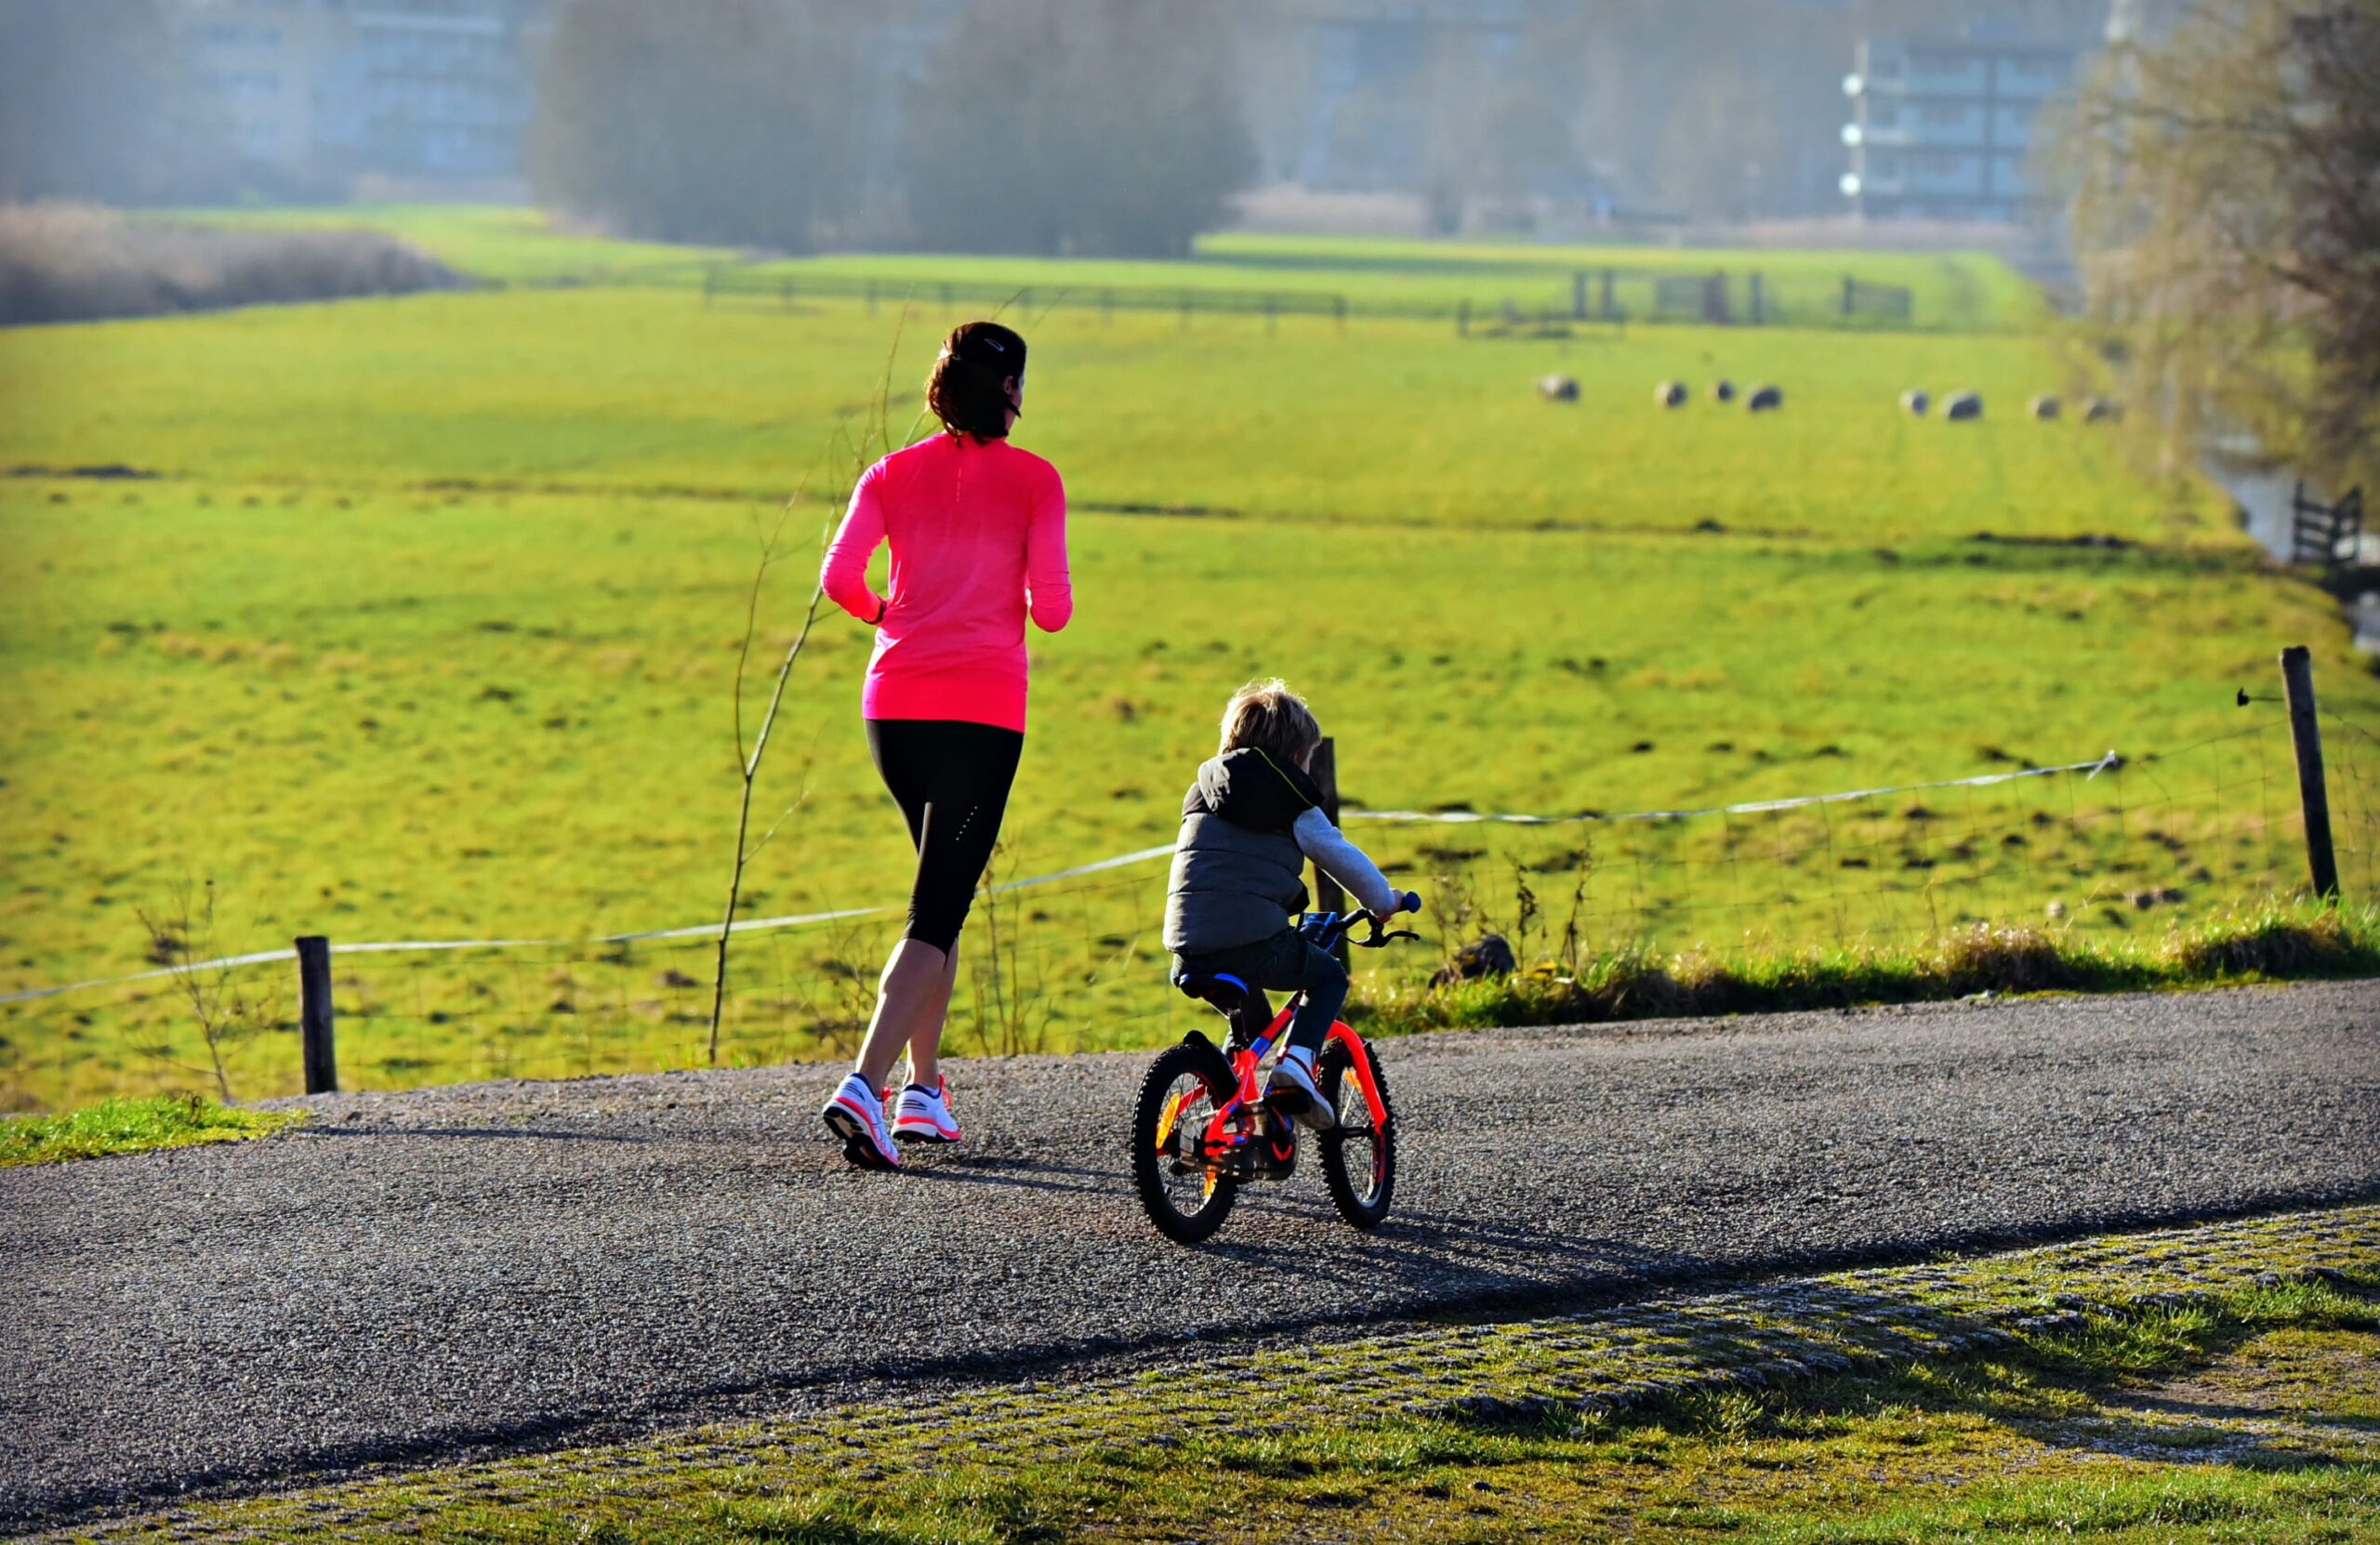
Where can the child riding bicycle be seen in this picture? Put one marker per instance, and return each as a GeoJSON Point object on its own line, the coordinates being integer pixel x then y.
{"type": "Point", "coordinates": [1249, 824]}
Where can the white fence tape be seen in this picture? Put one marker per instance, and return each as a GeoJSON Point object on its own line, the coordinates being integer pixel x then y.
{"type": "Point", "coordinates": [698, 930]}
{"type": "Point", "coordinates": [2090, 769]}
{"type": "Point", "coordinates": [754, 925]}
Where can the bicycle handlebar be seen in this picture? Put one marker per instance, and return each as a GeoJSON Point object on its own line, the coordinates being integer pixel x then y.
{"type": "Point", "coordinates": [1326, 929]}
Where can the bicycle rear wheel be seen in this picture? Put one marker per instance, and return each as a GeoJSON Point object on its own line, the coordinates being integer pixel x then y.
{"type": "Point", "coordinates": [1358, 1155]}
{"type": "Point", "coordinates": [1183, 1090]}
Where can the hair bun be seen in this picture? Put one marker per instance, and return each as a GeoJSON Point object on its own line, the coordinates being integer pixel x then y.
{"type": "Point", "coordinates": [974, 399]}
{"type": "Point", "coordinates": [986, 344]}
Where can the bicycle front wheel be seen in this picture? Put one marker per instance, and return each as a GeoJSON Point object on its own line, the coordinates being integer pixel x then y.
{"type": "Point", "coordinates": [1358, 1154]}
{"type": "Point", "coordinates": [1186, 1199]}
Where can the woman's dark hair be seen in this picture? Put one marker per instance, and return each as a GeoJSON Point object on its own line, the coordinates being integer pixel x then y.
{"type": "Point", "coordinates": [969, 388]}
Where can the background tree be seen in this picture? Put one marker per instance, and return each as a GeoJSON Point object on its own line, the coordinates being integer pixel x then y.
{"type": "Point", "coordinates": [2226, 190]}
{"type": "Point", "coordinates": [1088, 126]}
{"type": "Point", "coordinates": [94, 105]}
{"type": "Point", "coordinates": [708, 121]}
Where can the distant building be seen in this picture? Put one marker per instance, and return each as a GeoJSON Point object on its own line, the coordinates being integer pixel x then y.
{"type": "Point", "coordinates": [329, 90]}
{"type": "Point", "coordinates": [1942, 130]}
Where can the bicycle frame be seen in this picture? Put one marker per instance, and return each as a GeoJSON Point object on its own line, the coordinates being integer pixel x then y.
{"type": "Point", "coordinates": [1229, 1129]}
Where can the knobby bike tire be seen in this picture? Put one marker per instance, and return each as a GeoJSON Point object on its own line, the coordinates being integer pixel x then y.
{"type": "Point", "coordinates": [1149, 1167]}
{"type": "Point", "coordinates": [1363, 1205]}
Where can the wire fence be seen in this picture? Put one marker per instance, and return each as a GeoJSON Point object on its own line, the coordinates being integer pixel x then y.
{"type": "Point", "coordinates": [2112, 847]}
{"type": "Point", "coordinates": [1536, 302]}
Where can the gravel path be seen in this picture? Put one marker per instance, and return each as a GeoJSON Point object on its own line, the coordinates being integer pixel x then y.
{"type": "Point", "coordinates": [419, 1273]}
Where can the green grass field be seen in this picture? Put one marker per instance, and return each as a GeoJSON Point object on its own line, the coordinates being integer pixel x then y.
{"type": "Point", "coordinates": [639, 391]}
{"type": "Point", "coordinates": [428, 630]}
{"type": "Point", "coordinates": [1950, 293]}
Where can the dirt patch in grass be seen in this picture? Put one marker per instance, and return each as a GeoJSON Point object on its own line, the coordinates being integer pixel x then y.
{"type": "Point", "coordinates": [2311, 1382]}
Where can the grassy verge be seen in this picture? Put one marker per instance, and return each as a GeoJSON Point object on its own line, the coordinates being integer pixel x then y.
{"type": "Point", "coordinates": [2281, 942]}
{"type": "Point", "coordinates": [2247, 1411]}
{"type": "Point", "coordinates": [130, 1127]}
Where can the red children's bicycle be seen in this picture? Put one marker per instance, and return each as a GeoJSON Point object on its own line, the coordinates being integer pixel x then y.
{"type": "Point", "coordinates": [1202, 1126]}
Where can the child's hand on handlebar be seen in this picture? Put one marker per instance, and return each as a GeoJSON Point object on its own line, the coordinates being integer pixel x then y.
{"type": "Point", "coordinates": [1406, 901]}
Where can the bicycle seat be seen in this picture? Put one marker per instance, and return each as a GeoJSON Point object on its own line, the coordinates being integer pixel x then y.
{"type": "Point", "coordinates": [1224, 992]}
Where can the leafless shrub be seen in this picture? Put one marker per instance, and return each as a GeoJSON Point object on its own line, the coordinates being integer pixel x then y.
{"type": "Point", "coordinates": [230, 1006]}
{"type": "Point", "coordinates": [1010, 1011]}
{"type": "Point", "coordinates": [2222, 175]}
{"type": "Point", "coordinates": [65, 262]}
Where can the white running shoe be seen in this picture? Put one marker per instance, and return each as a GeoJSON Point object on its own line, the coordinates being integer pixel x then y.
{"type": "Point", "coordinates": [856, 1114]}
{"type": "Point", "coordinates": [924, 1114]}
{"type": "Point", "coordinates": [1293, 1090]}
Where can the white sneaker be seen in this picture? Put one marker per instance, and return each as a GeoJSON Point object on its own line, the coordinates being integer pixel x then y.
{"type": "Point", "coordinates": [1293, 1090]}
{"type": "Point", "coordinates": [856, 1114]}
{"type": "Point", "coordinates": [924, 1114]}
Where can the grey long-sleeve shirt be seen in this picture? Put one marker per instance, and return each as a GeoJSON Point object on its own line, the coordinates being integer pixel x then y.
{"type": "Point", "coordinates": [1343, 861]}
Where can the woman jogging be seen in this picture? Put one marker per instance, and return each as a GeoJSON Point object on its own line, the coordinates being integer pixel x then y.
{"type": "Point", "coordinates": [978, 533]}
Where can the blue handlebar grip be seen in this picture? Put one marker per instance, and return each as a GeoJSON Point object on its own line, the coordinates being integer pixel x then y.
{"type": "Point", "coordinates": [1413, 901]}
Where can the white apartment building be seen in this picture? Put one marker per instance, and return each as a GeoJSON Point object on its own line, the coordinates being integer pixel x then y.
{"type": "Point", "coordinates": [1942, 130]}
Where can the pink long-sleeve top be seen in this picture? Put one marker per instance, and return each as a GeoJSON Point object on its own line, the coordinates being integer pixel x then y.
{"type": "Point", "coordinates": [978, 532]}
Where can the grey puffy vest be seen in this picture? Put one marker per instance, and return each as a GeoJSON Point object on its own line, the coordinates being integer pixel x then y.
{"type": "Point", "coordinates": [1237, 870]}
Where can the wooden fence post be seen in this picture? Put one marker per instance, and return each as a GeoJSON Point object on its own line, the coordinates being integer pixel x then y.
{"type": "Point", "coordinates": [1850, 290]}
{"type": "Point", "coordinates": [314, 1015]}
{"type": "Point", "coordinates": [2305, 733]}
{"type": "Point", "coordinates": [1463, 319]}
{"type": "Point", "coordinates": [1610, 303]}
{"type": "Point", "coordinates": [1759, 299]}
{"type": "Point", "coordinates": [1578, 294]}
{"type": "Point", "coordinates": [1328, 896]}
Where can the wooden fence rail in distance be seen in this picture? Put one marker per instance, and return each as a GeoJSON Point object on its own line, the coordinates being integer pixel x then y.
{"type": "Point", "coordinates": [1609, 294]}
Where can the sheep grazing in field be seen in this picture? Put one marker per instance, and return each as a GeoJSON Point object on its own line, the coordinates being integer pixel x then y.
{"type": "Point", "coordinates": [2044, 406]}
{"type": "Point", "coordinates": [2097, 409]}
{"type": "Point", "coordinates": [1915, 401]}
{"type": "Point", "coordinates": [1558, 389]}
{"type": "Point", "coordinates": [1670, 394]}
{"type": "Point", "coordinates": [1764, 399]}
{"type": "Point", "coordinates": [1723, 391]}
{"type": "Point", "coordinates": [1963, 406]}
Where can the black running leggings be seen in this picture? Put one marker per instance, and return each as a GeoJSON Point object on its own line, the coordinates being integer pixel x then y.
{"type": "Point", "coordinates": [951, 780]}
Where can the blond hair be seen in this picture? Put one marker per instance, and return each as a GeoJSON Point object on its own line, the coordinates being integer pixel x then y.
{"type": "Point", "coordinates": [1267, 715]}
